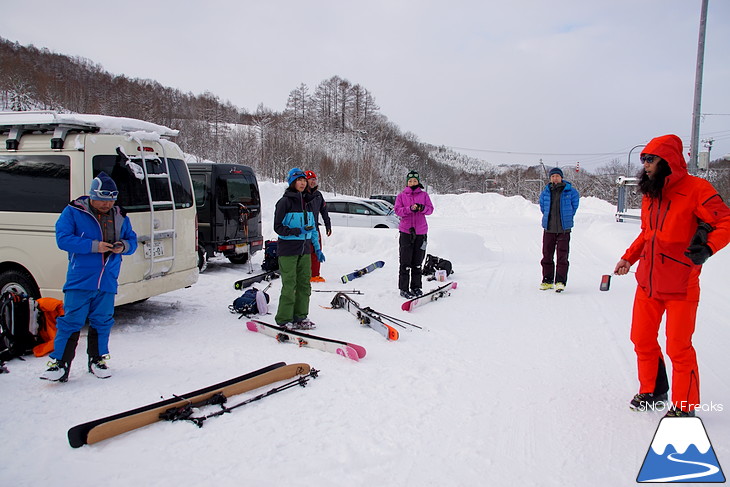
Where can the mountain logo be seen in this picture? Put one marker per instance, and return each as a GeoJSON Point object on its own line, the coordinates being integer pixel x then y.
{"type": "Point", "coordinates": [681, 452]}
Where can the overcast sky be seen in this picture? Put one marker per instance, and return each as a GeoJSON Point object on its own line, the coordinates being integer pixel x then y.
{"type": "Point", "coordinates": [518, 80]}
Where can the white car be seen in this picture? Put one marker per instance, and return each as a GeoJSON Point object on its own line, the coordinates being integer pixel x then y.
{"type": "Point", "coordinates": [359, 213]}
{"type": "Point", "coordinates": [382, 204]}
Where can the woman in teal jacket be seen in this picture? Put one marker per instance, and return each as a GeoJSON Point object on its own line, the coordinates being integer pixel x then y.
{"type": "Point", "coordinates": [297, 229]}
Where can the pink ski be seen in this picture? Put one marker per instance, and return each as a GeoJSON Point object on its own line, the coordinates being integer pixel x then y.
{"type": "Point", "coordinates": [439, 292]}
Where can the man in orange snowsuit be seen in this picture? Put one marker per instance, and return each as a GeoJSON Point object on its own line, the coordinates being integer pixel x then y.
{"type": "Point", "coordinates": [683, 222]}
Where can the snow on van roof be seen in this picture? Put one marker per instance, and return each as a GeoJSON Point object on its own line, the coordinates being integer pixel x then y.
{"type": "Point", "coordinates": [105, 123]}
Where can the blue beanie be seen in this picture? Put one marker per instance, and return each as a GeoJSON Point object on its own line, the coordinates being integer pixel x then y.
{"type": "Point", "coordinates": [103, 188]}
{"type": "Point", "coordinates": [556, 170]}
{"type": "Point", "coordinates": [294, 174]}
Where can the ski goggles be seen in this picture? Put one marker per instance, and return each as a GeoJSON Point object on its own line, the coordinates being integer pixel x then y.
{"type": "Point", "coordinates": [105, 193]}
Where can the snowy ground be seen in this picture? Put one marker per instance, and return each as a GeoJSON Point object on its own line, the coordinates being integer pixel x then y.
{"type": "Point", "coordinates": [508, 385]}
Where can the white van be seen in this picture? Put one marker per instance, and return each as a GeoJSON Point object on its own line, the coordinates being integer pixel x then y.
{"type": "Point", "coordinates": [48, 159]}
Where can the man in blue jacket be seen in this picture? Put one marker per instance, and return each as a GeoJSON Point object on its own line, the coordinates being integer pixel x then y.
{"type": "Point", "coordinates": [96, 234]}
{"type": "Point", "coordinates": [558, 203]}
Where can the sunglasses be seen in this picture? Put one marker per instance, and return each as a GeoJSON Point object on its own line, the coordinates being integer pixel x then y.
{"type": "Point", "coordinates": [105, 193]}
{"type": "Point", "coordinates": [650, 159]}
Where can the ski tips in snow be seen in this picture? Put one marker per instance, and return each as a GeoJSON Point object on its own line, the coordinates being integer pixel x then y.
{"type": "Point", "coordinates": [104, 428]}
{"type": "Point", "coordinates": [439, 292]}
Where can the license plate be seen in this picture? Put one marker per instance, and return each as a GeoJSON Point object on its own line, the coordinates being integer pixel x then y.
{"type": "Point", "coordinates": [156, 251]}
{"type": "Point", "coordinates": [241, 248]}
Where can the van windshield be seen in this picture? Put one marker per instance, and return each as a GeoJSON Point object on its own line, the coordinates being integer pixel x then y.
{"type": "Point", "coordinates": [234, 189]}
{"type": "Point", "coordinates": [133, 191]}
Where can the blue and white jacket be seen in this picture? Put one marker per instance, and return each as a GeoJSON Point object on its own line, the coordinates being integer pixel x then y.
{"type": "Point", "coordinates": [292, 214]}
{"type": "Point", "coordinates": [78, 232]}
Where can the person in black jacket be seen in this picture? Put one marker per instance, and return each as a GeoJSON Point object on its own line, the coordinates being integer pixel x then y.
{"type": "Point", "coordinates": [319, 206]}
{"type": "Point", "coordinates": [295, 225]}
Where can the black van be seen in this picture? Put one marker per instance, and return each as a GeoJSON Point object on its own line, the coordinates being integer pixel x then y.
{"type": "Point", "coordinates": [229, 211]}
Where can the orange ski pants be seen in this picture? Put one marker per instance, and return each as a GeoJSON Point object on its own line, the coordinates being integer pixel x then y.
{"type": "Point", "coordinates": [680, 325]}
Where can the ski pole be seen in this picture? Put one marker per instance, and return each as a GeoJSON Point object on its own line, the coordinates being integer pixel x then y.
{"type": "Point", "coordinates": [393, 318]}
{"type": "Point", "coordinates": [354, 291]}
{"type": "Point", "coordinates": [184, 413]}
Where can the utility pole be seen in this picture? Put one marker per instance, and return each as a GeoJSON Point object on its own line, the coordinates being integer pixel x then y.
{"type": "Point", "coordinates": [695, 142]}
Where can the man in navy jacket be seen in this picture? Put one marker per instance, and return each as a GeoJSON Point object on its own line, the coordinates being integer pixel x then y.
{"type": "Point", "coordinates": [558, 203]}
{"type": "Point", "coordinates": [96, 234]}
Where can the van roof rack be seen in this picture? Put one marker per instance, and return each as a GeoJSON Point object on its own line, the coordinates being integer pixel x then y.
{"type": "Point", "coordinates": [15, 124]}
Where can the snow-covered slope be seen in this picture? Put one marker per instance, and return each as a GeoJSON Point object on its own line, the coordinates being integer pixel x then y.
{"type": "Point", "coordinates": [506, 384]}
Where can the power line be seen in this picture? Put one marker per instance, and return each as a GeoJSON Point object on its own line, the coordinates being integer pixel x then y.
{"type": "Point", "coordinates": [537, 153]}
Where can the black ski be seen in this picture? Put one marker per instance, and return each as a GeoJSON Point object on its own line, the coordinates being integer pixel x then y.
{"type": "Point", "coordinates": [266, 276]}
{"type": "Point", "coordinates": [101, 429]}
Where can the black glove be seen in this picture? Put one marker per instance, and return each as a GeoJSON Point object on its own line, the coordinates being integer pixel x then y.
{"type": "Point", "coordinates": [699, 253]}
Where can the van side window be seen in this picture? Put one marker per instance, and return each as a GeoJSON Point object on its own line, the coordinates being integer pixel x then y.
{"type": "Point", "coordinates": [133, 192]}
{"type": "Point", "coordinates": [199, 187]}
{"type": "Point", "coordinates": [38, 184]}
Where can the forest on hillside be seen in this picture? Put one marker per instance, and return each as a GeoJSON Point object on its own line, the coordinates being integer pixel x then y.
{"type": "Point", "coordinates": [335, 129]}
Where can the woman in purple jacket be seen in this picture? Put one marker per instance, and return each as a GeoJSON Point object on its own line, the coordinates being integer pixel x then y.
{"type": "Point", "coordinates": [412, 205]}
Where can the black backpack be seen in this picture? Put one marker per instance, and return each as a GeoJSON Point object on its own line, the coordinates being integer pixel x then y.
{"type": "Point", "coordinates": [247, 304]}
{"type": "Point", "coordinates": [271, 260]}
{"type": "Point", "coordinates": [20, 324]}
{"type": "Point", "coordinates": [434, 264]}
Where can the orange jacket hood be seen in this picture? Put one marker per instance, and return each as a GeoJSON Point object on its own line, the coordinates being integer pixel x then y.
{"type": "Point", "coordinates": [669, 148]}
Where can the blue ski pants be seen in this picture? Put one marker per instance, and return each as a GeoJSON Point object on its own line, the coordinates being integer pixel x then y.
{"type": "Point", "coordinates": [78, 306]}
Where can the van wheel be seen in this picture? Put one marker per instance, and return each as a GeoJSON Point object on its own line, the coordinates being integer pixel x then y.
{"type": "Point", "coordinates": [238, 259]}
{"type": "Point", "coordinates": [381, 226]}
{"type": "Point", "coordinates": [202, 259]}
{"type": "Point", "coordinates": [19, 282]}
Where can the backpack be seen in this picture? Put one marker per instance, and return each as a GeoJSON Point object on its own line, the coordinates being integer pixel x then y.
{"type": "Point", "coordinates": [250, 303]}
{"type": "Point", "coordinates": [20, 325]}
{"type": "Point", "coordinates": [271, 260]}
{"type": "Point", "coordinates": [434, 264]}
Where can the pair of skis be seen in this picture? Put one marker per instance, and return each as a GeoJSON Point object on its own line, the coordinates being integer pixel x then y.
{"type": "Point", "coordinates": [182, 407]}
{"type": "Point", "coordinates": [368, 316]}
